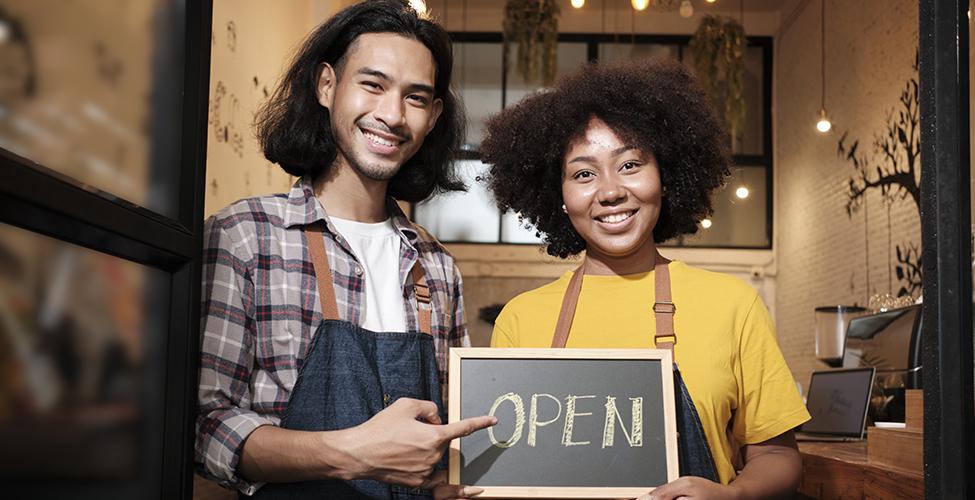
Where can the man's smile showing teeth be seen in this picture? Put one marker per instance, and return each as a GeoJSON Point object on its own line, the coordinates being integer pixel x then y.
{"type": "Point", "coordinates": [379, 140]}
{"type": "Point", "coordinates": [615, 218]}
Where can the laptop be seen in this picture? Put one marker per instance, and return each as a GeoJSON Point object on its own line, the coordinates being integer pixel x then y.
{"type": "Point", "coordinates": [837, 401]}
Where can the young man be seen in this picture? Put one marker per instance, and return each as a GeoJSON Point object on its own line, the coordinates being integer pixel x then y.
{"type": "Point", "coordinates": [327, 314]}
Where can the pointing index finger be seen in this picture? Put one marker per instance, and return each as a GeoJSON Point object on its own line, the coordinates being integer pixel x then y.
{"type": "Point", "coordinates": [468, 426]}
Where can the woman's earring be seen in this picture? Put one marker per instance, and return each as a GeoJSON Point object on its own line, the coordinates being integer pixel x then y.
{"type": "Point", "coordinates": [564, 209]}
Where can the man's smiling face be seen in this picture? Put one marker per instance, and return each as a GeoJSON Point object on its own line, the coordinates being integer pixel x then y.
{"type": "Point", "coordinates": [381, 103]}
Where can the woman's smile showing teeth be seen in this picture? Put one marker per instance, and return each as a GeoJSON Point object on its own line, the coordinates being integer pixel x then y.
{"type": "Point", "coordinates": [615, 218]}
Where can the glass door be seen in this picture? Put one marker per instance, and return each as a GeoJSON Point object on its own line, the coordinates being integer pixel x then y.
{"type": "Point", "coordinates": [102, 153]}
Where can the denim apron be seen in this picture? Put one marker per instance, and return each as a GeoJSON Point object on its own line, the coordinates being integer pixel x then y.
{"type": "Point", "coordinates": [693, 453]}
{"type": "Point", "coordinates": [349, 375]}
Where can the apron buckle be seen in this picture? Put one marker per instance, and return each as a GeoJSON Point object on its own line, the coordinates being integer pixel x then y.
{"type": "Point", "coordinates": [671, 336]}
{"type": "Point", "coordinates": [664, 308]}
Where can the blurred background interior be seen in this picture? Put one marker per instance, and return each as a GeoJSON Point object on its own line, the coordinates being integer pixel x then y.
{"type": "Point", "coordinates": [105, 112]}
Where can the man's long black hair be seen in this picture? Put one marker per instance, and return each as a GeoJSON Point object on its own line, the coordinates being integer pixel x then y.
{"type": "Point", "coordinates": [294, 129]}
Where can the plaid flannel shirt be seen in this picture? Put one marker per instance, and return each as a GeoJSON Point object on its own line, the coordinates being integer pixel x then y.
{"type": "Point", "coordinates": [261, 309]}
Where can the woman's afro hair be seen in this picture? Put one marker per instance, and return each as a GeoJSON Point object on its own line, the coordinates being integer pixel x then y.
{"type": "Point", "coordinates": [654, 106]}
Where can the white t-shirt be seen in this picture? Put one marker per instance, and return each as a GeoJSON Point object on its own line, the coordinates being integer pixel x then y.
{"type": "Point", "coordinates": [377, 247]}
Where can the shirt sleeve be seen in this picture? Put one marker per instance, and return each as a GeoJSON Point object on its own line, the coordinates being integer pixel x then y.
{"type": "Point", "coordinates": [501, 335]}
{"type": "Point", "coordinates": [459, 336]}
{"type": "Point", "coordinates": [769, 401]}
{"type": "Point", "coordinates": [224, 417]}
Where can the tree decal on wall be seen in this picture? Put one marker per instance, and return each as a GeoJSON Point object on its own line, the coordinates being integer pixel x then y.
{"type": "Point", "coordinates": [893, 167]}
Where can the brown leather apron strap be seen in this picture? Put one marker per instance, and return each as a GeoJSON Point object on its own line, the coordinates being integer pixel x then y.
{"type": "Point", "coordinates": [424, 307]}
{"type": "Point", "coordinates": [569, 301]}
{"type": "Point", "coordinates": [663, 307]}
{"type": "Point", "coordinates": [326, 292]}
{"type": "Point", "coordinates": [323, 273]}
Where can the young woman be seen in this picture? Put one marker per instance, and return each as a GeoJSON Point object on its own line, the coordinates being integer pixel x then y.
{"type": "Point", "coordinates": [613, 161]}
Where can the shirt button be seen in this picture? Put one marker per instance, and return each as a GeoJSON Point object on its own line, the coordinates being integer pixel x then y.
{"type": "Point", "coordinates": [358, 270]}
{"type": "Point", "coordinates": [338, 239]}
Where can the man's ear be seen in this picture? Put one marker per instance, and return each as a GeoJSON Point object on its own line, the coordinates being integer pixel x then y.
{"type": "Point", "coordinates": [436, 110]}
{"type": "Point", "coordinates": [326, 85]}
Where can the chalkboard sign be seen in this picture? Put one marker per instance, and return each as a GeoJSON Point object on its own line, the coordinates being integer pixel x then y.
{"type": "Point", "coordinates": [594, 423]}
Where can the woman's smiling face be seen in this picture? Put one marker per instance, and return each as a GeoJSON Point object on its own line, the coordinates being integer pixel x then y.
{"type": "Point", "coordinates": [612, 194]}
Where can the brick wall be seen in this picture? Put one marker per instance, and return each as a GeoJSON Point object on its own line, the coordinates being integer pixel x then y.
{"type": "Point", "coordinates": [825, 257]}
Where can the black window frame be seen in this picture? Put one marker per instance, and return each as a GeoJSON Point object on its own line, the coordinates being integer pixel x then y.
{"type": "Point", "coordinates": [43, 201]}
{"type": "Point", "coordinates": [593, 41]}
{"type": "Point", "coordinates": [946, 236]}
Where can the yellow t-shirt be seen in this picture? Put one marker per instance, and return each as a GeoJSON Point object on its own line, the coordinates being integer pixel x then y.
{"type": "Point", "coordinates": [726, 347]}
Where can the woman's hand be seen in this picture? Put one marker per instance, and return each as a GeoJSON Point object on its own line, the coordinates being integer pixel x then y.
{"type": "Point", "coordinates": [693, 487]}
{"type": "Point", "coordinates": [444, 491]}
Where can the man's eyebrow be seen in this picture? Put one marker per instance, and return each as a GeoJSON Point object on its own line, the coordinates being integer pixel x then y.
{"type": "Point", "coordinates": [373, 72]}
{"type": "Point", "coordinates": [412, 87]}
{"type": "Point", "coordinates": [589, 159]}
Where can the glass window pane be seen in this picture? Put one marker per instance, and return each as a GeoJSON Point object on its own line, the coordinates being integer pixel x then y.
{"type": "Point", "coordinates": [514, 231]}
{"type": "Point", "coordinates": [77, 93]}
{"type": "Point", "coordinates": [77, 331]}
{"type": "Point", "coordinates": [752, 139]}
{"type": "Point", "coordinates": [471, 216]}
{"type": "Point", "coordinates": [625, 51]}
{"type": "Point", "coordinates": [477, 75]}
{"type": "Point", "coordinates": [740, 216]}
{"type": "Point", "coordinates": [570, 56]}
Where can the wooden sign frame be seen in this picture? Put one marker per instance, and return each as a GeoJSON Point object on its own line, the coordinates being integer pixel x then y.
{"type": "Point", "coordinates": [458, 354]}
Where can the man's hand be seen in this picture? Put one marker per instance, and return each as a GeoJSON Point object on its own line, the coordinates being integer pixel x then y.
{"type": "Point", "coordinates": [693, 487]}
{"type": "Point", "coordinates": [402, 443]}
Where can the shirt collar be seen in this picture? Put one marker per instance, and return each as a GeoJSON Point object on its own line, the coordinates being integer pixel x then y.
{"type": "Point", "coordinates": [303, 209]}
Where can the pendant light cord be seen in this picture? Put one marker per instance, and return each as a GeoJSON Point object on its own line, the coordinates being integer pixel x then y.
{"type": "Point", "coordinates": [822, 53]}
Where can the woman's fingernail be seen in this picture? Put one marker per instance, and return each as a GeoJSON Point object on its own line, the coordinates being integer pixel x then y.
{"type": "Point", "coordinates": [472, 490]}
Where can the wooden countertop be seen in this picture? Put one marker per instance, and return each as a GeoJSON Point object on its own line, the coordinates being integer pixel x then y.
{"type": "Point", "coordinates": [841, 470]}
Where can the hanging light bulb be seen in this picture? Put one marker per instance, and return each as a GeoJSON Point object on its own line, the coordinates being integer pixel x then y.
{"type": "Point", "coordinates": [420, 6]}
{"type": "Point", "coordinates": [823, 125]}
{"type": "Point", "coordinates": [706, 223]}
{"type": "Point", "coordinates": [640, 4]}
{"type": "Point", "coordinates": [711, 1]}
{"type": "Point", "coordinates": [578, 3]}
{"type": "Point", "coordinates": [742, 192]}
{"type": "Point", "coordinates": [686, 9]}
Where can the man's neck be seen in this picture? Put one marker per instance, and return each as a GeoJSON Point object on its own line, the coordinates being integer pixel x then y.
{"type": "Point", "coordinates": [346, 194]}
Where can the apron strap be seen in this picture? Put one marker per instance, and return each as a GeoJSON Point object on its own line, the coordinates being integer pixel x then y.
{"type": "Point", "coordinates": [423, 306]}
{"type": "Point", "coordinates": [663, 306]}
{"type": "Point", "coordinates": [568, 311]}
{"type": "Point", "coordinates": [326, 292]}
{"type": "Point", "coordinates": [323, 272]}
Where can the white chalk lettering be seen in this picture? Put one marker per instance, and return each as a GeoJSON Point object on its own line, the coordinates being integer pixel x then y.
{"type": "Point", "coordinates": [635, 436]}
{"type": "Point", "coordinates": [533, 423]}
{"type": "Point", "coordinates": [519, 419]}
{"type": "Point", "coordinates": [570, 417]}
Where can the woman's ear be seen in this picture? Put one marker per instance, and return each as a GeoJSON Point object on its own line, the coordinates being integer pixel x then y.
{"type": "Point", "coordinates": [326, 85]}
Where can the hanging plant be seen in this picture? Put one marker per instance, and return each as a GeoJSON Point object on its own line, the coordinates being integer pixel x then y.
{"type": "Point", "coordinates": [718, 53]}
{"type": "Point", "coordinates": [534, 26]}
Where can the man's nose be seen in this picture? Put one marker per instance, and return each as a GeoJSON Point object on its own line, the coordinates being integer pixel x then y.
{"type": "Point", "coordinates": [390, 110]}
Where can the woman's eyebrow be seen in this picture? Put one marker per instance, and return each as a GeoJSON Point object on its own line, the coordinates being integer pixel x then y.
{"type": "Point", "coordinates": [589, 159]}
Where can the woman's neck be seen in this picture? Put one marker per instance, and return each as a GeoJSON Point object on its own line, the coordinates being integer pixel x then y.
{"type": "Point", "coordinates": [605, 265]}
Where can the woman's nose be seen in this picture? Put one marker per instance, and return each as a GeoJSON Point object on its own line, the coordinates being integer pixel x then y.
{"type": "Point", "coordinates": [610, 191]}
